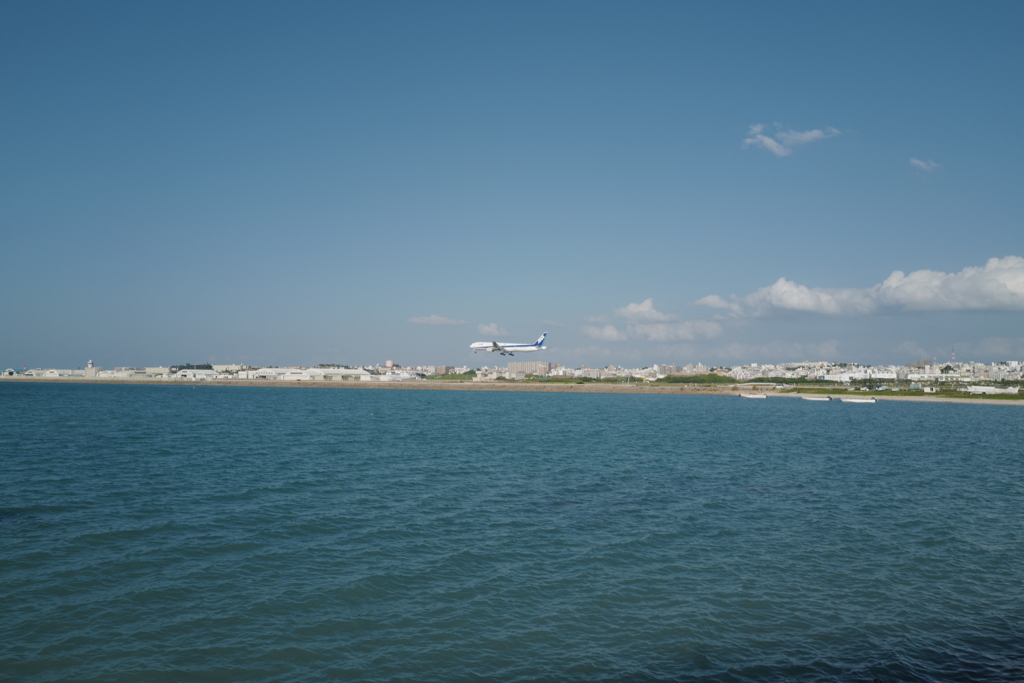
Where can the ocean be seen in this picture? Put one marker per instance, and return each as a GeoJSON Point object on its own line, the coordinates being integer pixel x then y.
{"type": "Point", "coordinates": [172, 533]}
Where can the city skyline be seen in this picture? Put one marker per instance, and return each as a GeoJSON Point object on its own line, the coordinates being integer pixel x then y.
{"type": "Point", "coordinates": [933, 368]}
{"type": "Point", "coordinates": [337, 183]}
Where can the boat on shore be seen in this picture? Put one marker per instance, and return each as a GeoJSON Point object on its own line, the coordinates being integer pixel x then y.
{"type": "Point", "coordinates": [816, 398]}
{"type": "Point", "coordinates": [872, 399]}
{"type": "Point", "coordinates": [753, 395]}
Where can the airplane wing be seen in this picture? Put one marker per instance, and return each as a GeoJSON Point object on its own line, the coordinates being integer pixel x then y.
{"type": "Point", "coordinates": [495, 346]}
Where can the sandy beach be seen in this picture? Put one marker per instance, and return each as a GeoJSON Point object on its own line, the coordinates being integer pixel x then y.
{"type": "Point", "coordinates": [588, 388]}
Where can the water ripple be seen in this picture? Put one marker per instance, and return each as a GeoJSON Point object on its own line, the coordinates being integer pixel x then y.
{"type": "Point", "coordinates": [166, 533]}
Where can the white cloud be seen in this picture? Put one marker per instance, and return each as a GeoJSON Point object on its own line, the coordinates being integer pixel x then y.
{"type": "Point", "coordinates": [924, 165]}
{"type": "Point", "coordinates": [785, 295]}
{"type": "Point", "coordinates": [998, 285]}
{"type": "Point", "coordinates": [643, 321]}
{"type": "Point", "coordinates": [606, 333]}
{"type": "Point", "coordinates": [435, 320]}
{"type": "Point", "coordinates": [679, 331]}
{"type": "Point", "coordinates": [642, 312]}
{"type": "Point", "coordinates": [785, 140]}
{"type": "Point", "coordinates": [491, 329]}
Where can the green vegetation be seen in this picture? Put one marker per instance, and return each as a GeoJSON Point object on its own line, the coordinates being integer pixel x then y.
{"type": "Point", "coordinates": [784, 380]}
{"type": "Point", "coordinates": [699, 379]}
{"type": "Point", "coordinates": [468, 375]}
{"type": "Point", "coordinates": [581, 380]}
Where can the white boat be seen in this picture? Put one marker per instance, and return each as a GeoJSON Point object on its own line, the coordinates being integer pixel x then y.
{"type": "Point", "coordinates": [872, 399]}
{"type": "Point", "coordinates": [816, 398]}
{"type": "Point", "coordinates": [753, 395]}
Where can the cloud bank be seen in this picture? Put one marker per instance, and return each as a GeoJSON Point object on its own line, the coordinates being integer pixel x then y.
{"type": "Point", "coordinates": [492, 329]}
{"type": "Point", "coordinates": [435, 320]}
{"type": "Point", "coordinates": [680, 331]}
{"type": "Point", "coordinates": [643, 321]}
{"type": "Point", "coordinates": [785, 141]}
{"type": "Point", "coordinates": [642, 312]}
{"type": "Point", "coordinates": [604, 333]}
{"type": "Point", "coordinates": [996, 286]}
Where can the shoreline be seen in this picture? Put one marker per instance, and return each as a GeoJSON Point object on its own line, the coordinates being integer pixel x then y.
{"type": "Point", "coordinates": [458, 385]}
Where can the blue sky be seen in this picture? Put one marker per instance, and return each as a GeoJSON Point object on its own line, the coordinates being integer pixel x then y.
{"type": "Point", "coordinates": [297, 184]}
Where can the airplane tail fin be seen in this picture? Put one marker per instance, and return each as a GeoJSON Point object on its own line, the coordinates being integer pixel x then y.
{"type": "Point", "coordinates": [540, 342]}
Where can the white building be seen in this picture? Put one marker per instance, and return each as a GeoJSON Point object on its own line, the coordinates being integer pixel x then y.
{"type": "Point", "coordinates": [54, 373]}
{"type": "Point", "coordinates": [195, 375]}
{"type": "Point", "coordinates": [226, 368]}
{"type": "Point", "coordinates": [529, 367]}
{"type": "Point", "coordinates": [330, 374]}
{"type": "Point", "coordinates": [306, 374]}
{"type": "Point", "coordinates": [396, 377]}
{"type": "Point", "coordinates": [122, 373]}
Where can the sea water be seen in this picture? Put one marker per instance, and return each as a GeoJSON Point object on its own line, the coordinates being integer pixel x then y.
{"type": "Point", "coordinates": [173, 533]}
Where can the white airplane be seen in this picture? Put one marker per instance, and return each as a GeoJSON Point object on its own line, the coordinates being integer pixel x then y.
{"type": "Point", "coordinates": [509, 349]}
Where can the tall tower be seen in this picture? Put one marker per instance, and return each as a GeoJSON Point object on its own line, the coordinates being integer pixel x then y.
{"type": "Point", "coordinates": [954, 354]}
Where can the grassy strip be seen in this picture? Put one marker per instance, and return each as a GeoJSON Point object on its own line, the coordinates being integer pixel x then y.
{"type": "Point", "coordinates": [699, 379]}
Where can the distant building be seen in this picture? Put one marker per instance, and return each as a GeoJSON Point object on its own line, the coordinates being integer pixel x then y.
{"type": "Point", "coordinates": [689, 369]}
{"type": "Point", "coordinates": [396, 377]}
{"type": "Point", "coordinates": [224, 368]}
{"type": "Point", "coordinates": [122, 373]}
{"type": "Point", "coordinates": [195, 374]}
{"type": "Point", "coordinates": [306, 374]}
{"type": "Point", "coordinates": [443, 370]}
{"type": "Point", "coordinates": [337, 374]}
{"type": "Point", "coordinates": [529, 367]}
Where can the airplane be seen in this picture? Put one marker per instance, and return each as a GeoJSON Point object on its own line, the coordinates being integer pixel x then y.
{"type": "Point", "coordinates": [506, 348]}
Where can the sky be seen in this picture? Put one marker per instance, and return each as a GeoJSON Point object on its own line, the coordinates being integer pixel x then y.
{"type": "Point", "coordinates": [652, 182]}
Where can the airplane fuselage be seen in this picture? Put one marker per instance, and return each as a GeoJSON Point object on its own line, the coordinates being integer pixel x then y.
{"type": "Point", "coordinates": [510, 349]}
